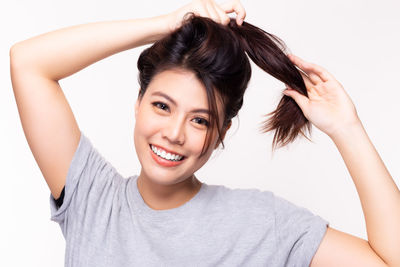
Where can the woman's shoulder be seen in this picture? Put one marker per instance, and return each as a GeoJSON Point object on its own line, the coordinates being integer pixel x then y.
{"type": "Point", "coordinates": [259, 203]}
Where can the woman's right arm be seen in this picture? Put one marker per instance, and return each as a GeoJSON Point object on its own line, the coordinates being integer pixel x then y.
{"type": "Point", "coordinates": [37, 64]}
{"type": "Point", "coordinates": [58, 54]}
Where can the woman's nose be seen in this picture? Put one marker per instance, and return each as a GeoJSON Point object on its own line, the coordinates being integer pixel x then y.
{"type": "Point", "coordinates": [174, 130]}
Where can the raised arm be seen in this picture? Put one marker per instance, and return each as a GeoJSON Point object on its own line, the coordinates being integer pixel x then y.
{"type": "Point", "coordinates": [331, 110]}
{"type": "Point", "coordinates": [37, 64]}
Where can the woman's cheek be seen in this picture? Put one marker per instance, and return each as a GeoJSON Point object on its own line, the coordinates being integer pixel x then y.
{"type": "Point", "coordinates": [150, 123]}
{"type": "Point", "coordinates": [196, 139]}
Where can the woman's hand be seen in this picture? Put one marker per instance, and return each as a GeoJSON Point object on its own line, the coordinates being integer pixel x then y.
{"type": "Point", "coordinates": [209, 9]}
{"type": "Point", "coordinates": [328, 106]}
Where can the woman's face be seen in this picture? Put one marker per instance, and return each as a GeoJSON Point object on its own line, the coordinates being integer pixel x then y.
{"type": "Point", "coordinates": [172, 116]}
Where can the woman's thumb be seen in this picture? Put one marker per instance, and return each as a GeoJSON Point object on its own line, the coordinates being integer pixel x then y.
{"type": "Point", "coordinates": [300, 99]}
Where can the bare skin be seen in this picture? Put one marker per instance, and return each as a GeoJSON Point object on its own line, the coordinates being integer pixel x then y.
{"type": "Point", "coordinates": [53, 133]}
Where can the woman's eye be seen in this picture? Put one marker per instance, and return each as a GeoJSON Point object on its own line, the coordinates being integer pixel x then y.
{"type": "Point", "coordinates": [165, 107]}
{"type": "Point", "coordinates": [160, 105]}
{"type": "Point", "coordinates": [202, 121]}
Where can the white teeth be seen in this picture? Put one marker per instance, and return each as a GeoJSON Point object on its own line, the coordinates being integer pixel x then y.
{"type": "Point", "coordinates": [166, 155]}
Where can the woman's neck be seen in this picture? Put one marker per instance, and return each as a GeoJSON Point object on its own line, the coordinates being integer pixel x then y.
{"type": "Point", "coordinates": [163, 197]}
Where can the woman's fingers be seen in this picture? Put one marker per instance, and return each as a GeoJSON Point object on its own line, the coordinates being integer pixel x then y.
{"type": "Point", "coordinates": [307, 81]}
{"type": "Point", "coordinates": [213, 14]}
{"type": "Point", "coordinates": [300, 99]}
{"type": "Point", "coordinates": [225, 19]}
{"type": "Point", "coordinates": [208, 9]}
{"type": "Point", "coordinates": [312, 89]}
{"type": "Point", "coordinates": [314, 78]}
{"type": "Point", "coordinates": [315, 72]}
{"type": "Point", "coordinates": [237, 7]}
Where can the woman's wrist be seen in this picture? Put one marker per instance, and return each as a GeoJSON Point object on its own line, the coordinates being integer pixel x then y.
{"type": "Point", "coordinates": [347, 132]}
{"type": "Point", "coordinates": [156, 28]}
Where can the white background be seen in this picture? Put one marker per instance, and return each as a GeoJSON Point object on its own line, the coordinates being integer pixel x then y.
{"type": "Point", "coordinates": [357, 41]}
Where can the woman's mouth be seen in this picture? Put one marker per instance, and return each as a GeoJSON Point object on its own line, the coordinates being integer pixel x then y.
{"type": "Point", "coordinates": [165, 158]}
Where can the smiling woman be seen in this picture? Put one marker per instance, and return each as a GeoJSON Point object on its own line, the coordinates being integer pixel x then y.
{"type": "Point", "coordinates": [176, 126]}
{"type": "Point", "coordinates": [192, 82]}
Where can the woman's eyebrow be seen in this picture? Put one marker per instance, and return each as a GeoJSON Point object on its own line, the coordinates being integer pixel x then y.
{"type": "Point", "coordinates": [197, 110]}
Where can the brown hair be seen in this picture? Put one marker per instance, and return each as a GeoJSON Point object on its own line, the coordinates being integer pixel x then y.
{"type": "Point", "coordinates": [217, 55]}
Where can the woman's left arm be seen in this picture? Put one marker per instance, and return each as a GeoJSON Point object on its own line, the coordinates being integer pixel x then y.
{"type": "Point", "coordinates": [330, 109]}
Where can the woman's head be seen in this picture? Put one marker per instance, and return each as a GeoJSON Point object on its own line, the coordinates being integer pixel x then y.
{"type": "Point", "coordinates": [214, 55]}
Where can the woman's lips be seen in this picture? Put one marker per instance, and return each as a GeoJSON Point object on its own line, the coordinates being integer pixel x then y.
{"type": "Point", "coordinates": [165, 162]}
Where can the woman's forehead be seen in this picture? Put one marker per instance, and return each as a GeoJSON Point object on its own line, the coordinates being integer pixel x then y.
{"type": "Point", "coordinates": [177, 79]}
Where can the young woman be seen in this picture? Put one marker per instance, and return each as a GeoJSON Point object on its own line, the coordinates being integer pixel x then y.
{"type": "Point", "coordinates": [192, 82]}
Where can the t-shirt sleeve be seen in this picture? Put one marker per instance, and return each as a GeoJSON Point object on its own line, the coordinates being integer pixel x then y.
{"type": "Point", "coordinates": [299, 232]}
{"type": "Point", "coordinates": [89, 190]}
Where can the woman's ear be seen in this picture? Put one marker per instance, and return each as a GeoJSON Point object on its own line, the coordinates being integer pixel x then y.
{"type": "Point", "coordinates": [224, 133]}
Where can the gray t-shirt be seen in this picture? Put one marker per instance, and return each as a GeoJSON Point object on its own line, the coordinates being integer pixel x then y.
{"type": "Point", "coordinates": [105, 222]}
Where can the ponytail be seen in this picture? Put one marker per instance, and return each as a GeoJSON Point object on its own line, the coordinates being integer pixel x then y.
{"type": "Point", "coordinates": [267, 52]}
